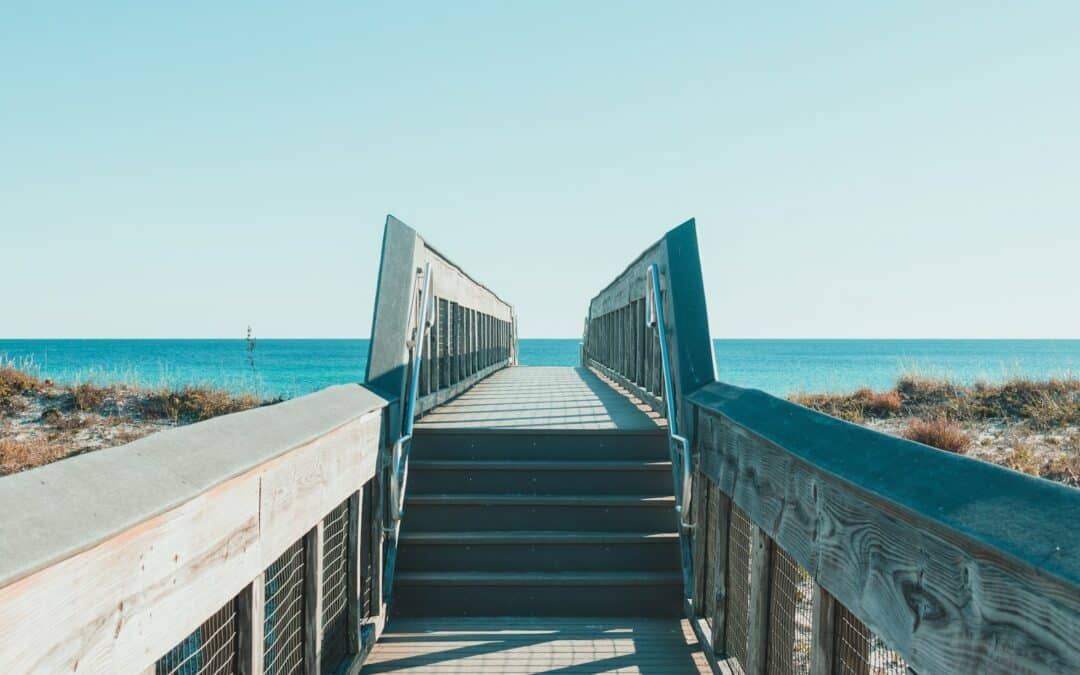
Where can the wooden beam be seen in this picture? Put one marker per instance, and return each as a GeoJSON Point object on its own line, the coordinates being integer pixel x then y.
{"type": "Point", "coordinates": [313, 600]}
{"type": "Point", "coordinates": [251, 608]}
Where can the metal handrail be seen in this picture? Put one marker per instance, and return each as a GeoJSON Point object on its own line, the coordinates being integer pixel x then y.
{"type": "Point", "coordinates": [655, 316]}
{"type": "Point", "coordinates": [399, 458]}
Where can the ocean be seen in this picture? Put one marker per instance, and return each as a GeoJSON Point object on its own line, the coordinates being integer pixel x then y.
{"type": "Point", "coordinates": [295, 367]}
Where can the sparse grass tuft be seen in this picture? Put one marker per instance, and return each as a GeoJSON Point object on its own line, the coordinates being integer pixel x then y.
{"type": "Point", "coordinates": [88, 396]}
{"type": "Point", "coordinates": [939, 433]}
{"type": "Point", "coordinates": [853, 407]}
{"type": "Point", "coordinates": [193, 404]}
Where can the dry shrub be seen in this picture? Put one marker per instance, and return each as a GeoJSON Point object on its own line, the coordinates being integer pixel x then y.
{"type": "Point", "coordinates": [20, 455]}
{"type": "Point", "coordinates": [926, 394]}
{"type": "Point", "coordinates": [939, 433]}
{"type": "Point", "coordinates": [13, 384]}
{"type": "Point", "coordinates": [1063, 470]}
{"type": "Point", "coordinates": [1045, 404]}
{"type": "Point", "coordinates": [88, 396]}
{"type": "Point", "coordinates": [853, 407]}
{"type": "Point", "coordinates": [195, 404]}
{"type": "Point", "coordinates": [1022, 459]}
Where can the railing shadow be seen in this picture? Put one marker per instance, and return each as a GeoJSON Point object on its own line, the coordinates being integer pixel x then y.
{"type": "Point", "coordinates": [544, 646]}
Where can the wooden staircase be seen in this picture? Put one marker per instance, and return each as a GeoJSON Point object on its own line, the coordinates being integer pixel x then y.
{"type": "Point", "coordinates": [539, 523]}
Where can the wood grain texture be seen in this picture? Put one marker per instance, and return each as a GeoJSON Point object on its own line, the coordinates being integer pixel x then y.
{"type": "Point", "coordinates": [823, 634]}
{"type": "Point", "coordinates": [958, 565]}
{"type": "Point", "coordinates": [719, 569]}
{"type": "Point", "coordinates": [760, 583]}
{"type": "Point", "coordinates": [140, 592]}
{"type": "Point", "coordinates": [251, 612]}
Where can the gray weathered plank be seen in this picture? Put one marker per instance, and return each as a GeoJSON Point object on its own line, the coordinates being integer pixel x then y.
{"type": "Point", "coordinates": [760, 584]}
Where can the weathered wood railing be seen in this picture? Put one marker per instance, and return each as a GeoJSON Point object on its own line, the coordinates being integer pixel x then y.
{"type": "Point", "coordinates": [241, 544]}
{"type": "Point", "coordinates": [823, 547]}
{"type": "Point", "coordinates": [252, 543]}
{"type": "Point", "coordinates": [472, 333]}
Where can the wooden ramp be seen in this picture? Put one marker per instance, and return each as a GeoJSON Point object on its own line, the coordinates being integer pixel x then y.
{"type": "Point", "coordinates": [538, 645]}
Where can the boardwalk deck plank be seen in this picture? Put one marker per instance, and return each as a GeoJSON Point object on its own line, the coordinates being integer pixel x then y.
{"type": "Point", "coordinates": [538, 645]}
{"type": "Point", "coordinates": [542, 398]}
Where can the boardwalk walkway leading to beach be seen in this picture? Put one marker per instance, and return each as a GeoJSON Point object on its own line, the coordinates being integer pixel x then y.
{"type": "Point", "coordinates": [460, 513]}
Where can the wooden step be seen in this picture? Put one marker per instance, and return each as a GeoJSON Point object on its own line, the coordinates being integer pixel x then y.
{"type": "Point", "coordinates": [538, 594]}
{"type": "Point", "coordinates": [539, 551]}
{"type": "Point", "coordinates": [540, 476]}
{"type": "Point", "coordinates": [524, 444]}
{"type": "Point", "coordinates": [456, 512]}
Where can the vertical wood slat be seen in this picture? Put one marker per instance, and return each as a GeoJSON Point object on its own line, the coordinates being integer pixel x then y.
{"type": "Point", "coordinates": [375, 541]}
{"type": "Point", "coordinates": [250, 613]}
{"type": "Point", "coordinates": [702, 526]}
{"type": "Point", "coordinates": [760, 583]}
{"type": "Point", "coordinates": [313, 576]}
{"type": "Point", "coordinates": [354, 570]}
{"type": "Point", "coordinates": [823, 634]}
{"type": "Point", "coordinates": [720, 567]}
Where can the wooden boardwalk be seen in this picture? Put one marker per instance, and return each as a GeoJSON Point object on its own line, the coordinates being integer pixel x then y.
{"type": "Point", "coordinates": [540, 398]}
{"type": "Point", "coordinates": [538, 645]}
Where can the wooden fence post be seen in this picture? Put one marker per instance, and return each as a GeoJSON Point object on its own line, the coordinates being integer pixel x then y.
{"type": "Point", "coordinates": [313, 575]}
{"type": "Point", "coordinates": [823, 633]}
{"type": "Point", "coordinates": [250, 616]}
{"type": "Point", "coordinates": [760, 583]}
{"type": "Point", "coordinates": [719, 571]}
{"type": "Point", "coordinates": [354, 572]}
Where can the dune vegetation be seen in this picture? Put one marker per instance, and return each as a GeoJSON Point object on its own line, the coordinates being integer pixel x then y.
{"type": "Point", "coordinates": [1025, 424]}
{"type": "Point", "coordinates": [41, 421]}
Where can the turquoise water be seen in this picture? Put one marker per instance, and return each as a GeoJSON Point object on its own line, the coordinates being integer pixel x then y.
{"type": "Point", "coordinates": [294, 367]}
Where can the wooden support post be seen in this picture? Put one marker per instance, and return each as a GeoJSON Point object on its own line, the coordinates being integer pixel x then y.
{"type": "Point", "coordinates": [701, 538]}
{"type": "Point", "coordinates": [354, 608]}
{"type": "Point", "coordinates": [823, 634]}
{"type": "Point", "coordinates": [250, 615]}
{"type": "Point", "coordinates": [760, 584]}
{"type": "Point", "coordinates": [313, 574]}
{"type": "Point", "coordinates": [720, 554]}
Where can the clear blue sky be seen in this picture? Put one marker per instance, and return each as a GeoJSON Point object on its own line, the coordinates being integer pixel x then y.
{"type": "Point", "coordinates": [857, 169]}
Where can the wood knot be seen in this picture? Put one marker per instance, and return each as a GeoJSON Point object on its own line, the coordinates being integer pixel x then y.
{"type": "Point", "coordinates": [922, 604]}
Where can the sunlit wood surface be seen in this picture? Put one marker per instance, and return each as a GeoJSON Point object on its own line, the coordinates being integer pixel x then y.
{"type": "Point", "coordinates": [536, 398]}
{"type": "Point", "coordinates": [517, 646]}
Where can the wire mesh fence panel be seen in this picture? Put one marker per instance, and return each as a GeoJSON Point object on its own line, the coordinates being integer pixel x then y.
{"type": "Point", "coordinates": [335, 588]}
{"type": "Point", "coordinates": [210, 649]}
{"type": "Point", "coordinates": [283, 625]}
{"type": "Point", "coordinates": [737, 611]}
{"type": "Point", "coordinates": [791, 612]}
{"type": "Point", "coordinates": [860, 652]}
